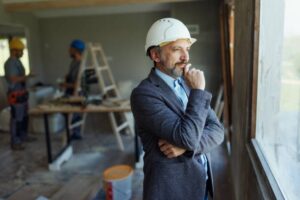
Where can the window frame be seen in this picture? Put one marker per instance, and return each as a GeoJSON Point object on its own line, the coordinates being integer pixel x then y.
{"type": "Point", "coordinates": [16, 30]}
{"type": "Point", "coordinates": [267, 182]}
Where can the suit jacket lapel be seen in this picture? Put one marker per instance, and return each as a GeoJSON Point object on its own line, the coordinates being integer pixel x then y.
{"type": "Point", "coordinates": [167, 92]}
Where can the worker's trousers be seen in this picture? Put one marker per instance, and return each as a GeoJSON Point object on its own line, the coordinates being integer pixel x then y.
{"type": "Point", "coordinates": [18, 122]}
{"type": "Point", "coordinates": [76, 130]}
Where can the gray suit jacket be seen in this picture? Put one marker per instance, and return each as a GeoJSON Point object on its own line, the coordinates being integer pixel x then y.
{"type": "Point", "coordinates": [158, 115]}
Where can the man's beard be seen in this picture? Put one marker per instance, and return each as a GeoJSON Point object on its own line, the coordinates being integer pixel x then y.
{"type": "Point", "coordinates": [72, 55]}
{"type": "Point", "coordinates": [19, 54]}
{"type": "Point", "coordinates": [176, 71]}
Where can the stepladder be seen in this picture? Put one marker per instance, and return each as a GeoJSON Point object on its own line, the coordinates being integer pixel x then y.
{"type": "Point", "coordinates": [94, 65]}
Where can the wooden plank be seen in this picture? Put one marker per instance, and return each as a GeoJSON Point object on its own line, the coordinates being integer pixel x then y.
{"type": "Point", "coordinates": [30, 192]}
{"type": "Point", "coordinates": [50, 108]}
{"type": "Point", "coordinates": [58, 4]}
{"type": "Point", "coordinates": [231, 40]}
{"type": "Point", "coordinates": [78, 188]}
{"type": "Point", "coordinates": [224, 59]}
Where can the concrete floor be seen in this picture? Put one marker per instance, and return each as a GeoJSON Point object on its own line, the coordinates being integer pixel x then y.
{"type": "Point", "coordinates": [26, 172]}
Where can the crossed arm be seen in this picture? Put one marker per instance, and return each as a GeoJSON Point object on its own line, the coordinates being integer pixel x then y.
{"type": "Point", "coordinates": [197, 130]}
{"type": "Point", "coordinates": [213, 135]}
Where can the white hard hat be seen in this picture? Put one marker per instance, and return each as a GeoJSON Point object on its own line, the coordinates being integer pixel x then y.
{"type": "Point", "coordinates": [167, 30]}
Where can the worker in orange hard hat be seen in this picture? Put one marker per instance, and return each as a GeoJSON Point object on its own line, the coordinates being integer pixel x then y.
{"type": "Point", "coordinates": [17, 95]}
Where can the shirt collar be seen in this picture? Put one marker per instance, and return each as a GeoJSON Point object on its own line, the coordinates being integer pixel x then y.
{"type": "Point", "coordinates": [170, 81]}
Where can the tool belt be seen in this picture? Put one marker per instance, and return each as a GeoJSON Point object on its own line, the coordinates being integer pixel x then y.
{"type": "Point", "coordinates": [19, 96]}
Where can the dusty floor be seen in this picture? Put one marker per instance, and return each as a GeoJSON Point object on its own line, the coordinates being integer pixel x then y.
{"type": "Point", "coordinates": [24, 174]}
{"type": "Point", "coordinates": [27, 170]}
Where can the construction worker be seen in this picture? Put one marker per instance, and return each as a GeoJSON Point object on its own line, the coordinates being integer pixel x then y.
{"type": "Point", "coordinates": [17, 95]}
{"type": "Point", "coordinates": [173, 117]}
{"type": "Point", "coordinates": [75, 50]}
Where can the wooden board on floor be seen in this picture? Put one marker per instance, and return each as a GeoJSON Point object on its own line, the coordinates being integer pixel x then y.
{"type": "Point", "coordinates": [31, 192]}
{"type": "Point", "coordinates": [78, 188]}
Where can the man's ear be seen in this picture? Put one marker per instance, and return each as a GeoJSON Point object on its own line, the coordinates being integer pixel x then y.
{"type": "Point", "coordinates": [154, 55]}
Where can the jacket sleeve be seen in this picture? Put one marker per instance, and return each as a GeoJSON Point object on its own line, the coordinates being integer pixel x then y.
{"type": "Point", "coordinates": [155, 115]}
{"type": "Point", "coordinates": [213, 133]}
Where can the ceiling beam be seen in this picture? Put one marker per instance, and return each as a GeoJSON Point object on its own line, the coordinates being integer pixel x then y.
{"type": "Point", "coordinates": [26, 6]}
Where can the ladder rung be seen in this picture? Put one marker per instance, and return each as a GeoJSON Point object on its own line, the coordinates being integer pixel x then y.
{"type": "Point", "coordinates": [122, 126]}
{"type": "Point", "coordinates": [89, 67]}
{"type": "Point", "coordinates": [102, 68]}
{"type": "Point", "coordinates": [105, 67]}
{"type": "Point", "coordinates": [76, 124]}
{"type": "Point", "coordinates": [96, 48]}
{"type": "Point", "coordinates": [111, 87]}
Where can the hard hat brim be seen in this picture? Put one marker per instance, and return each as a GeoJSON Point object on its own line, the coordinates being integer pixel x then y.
{"type": "Point", "coordinates": [192, 41]}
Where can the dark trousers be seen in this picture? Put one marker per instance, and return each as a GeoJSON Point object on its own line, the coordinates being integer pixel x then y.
{"type": "Point", "coordinates": [76, 118]}
{"type": "Point", "coordinates": [18, 122]}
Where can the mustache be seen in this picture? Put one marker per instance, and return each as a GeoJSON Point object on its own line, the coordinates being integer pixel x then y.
{"type": "Point", "coordinates": [182, 63]}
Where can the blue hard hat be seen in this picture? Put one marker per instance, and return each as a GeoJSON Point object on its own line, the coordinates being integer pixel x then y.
{"type": "Point", "coordinates": [78, 44]}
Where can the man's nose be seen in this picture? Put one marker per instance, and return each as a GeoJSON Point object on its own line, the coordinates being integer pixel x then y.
{"type": "Point", "coordinates": [184, 56]}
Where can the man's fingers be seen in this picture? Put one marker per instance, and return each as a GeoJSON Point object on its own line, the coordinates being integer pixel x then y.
{"type": "Point", "coordinates": [161, 142]}
{"type": "Point", "coordinates": [165, 147]}
{"type": "Point", "coordinates": [169, 153]}
{"type": "Point", "coordinates": [186, 68]}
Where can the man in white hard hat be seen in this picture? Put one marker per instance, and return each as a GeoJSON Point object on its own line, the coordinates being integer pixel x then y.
{"type": "Point", "coordinates": [173, 117]}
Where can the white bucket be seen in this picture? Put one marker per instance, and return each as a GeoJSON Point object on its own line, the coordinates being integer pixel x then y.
{"type": "Point", "coordinates": [117, 182]}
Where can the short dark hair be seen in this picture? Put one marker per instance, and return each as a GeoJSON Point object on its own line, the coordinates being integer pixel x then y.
{"type": "Point", "coordinates": [152, 47]}
{"type": "Point", "coordinates": [156, 48]}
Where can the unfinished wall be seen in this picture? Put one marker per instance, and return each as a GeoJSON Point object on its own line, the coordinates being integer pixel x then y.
{"type": "Point", "coordinates": [123, 38]}
{"type": "Point", "coordinates": [121, 35]}
{"type": "Point", "coordinates": [30, 24]}
{"type": "Point", "coordinates": [206, 52]}
{"type": "Point", "coordinates": [4, 17]}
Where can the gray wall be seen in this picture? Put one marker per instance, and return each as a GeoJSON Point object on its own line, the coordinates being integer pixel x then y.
{"type": "Point", "coordinates": [121, 35]}
{"type": "Point", "coordinates": [4, 17]}
{"type": "Point", "coordinates": [123, 38]}
{"type": "Point", "coordinates": [30, 22]}
{"type": "Point", "coordinates": [206, 52]}
{"type": "Point", "coordinates": [31, 27]}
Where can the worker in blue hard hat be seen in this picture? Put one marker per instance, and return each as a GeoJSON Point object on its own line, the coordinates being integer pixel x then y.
{"type": "Point", "coordinates": [76, 50]}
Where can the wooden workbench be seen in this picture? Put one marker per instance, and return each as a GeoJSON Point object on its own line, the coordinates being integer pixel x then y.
{"type": "Point", "coordinates": [66, 109]}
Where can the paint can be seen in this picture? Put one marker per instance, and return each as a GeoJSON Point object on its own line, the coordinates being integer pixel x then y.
{"type": "Point", "coordinates": [117, 182]}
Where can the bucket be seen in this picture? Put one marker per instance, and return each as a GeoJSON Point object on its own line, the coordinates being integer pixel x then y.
{"type": "Point", "coordinates": [117, 181]}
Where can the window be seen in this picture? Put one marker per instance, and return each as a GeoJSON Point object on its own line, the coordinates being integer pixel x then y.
{"type": "Point", "coordinates": [4, 49]}
{"type": "Point", "coordinates": [278, 92]}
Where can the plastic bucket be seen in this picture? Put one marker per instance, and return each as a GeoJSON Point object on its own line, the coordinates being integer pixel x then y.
{"type": "Point", "coordinates": [117, 181]}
